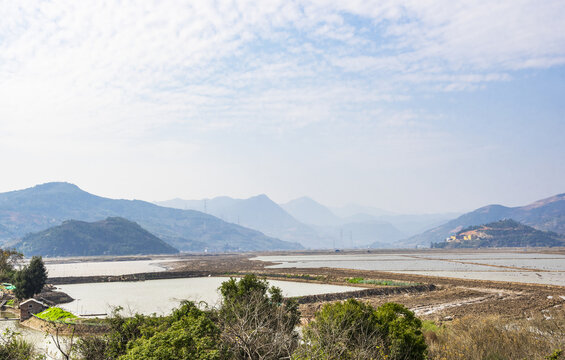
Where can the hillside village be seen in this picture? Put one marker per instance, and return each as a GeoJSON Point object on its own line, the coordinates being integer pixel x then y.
{"type": "Point", "coordinates": [503, 233]}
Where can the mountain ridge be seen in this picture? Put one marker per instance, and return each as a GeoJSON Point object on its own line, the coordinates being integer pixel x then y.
{"type": "Point", "coordinates": [547, 214]}
{"type": "Point", "coordinates": [311, 212]}
{"type": "Point", "coordinates": [46, 205]}
{"type": "Point", "coordinates": [258, 212]}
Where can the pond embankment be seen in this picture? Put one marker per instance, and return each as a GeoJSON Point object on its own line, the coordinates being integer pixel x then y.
{"type": "Point", "coordinates": [131, 277]}
{"type": "Point", "coordinates": [392, 290]}
{"type": "Point", "coordinates": [64, 329]}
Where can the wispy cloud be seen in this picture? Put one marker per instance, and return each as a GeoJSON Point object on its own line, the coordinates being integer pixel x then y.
{"type": "Point", "coordinates": [63, 59]}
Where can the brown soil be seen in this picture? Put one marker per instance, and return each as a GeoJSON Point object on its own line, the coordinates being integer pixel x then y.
{"type": "Point", "coordinates": [53, 297]}
{"type": "Point", "coordinates": [63, 329]}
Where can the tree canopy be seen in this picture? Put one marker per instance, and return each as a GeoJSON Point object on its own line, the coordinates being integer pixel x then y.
{"type": "Point", "coordinates": [8, 260]}
{"type": "Point", "coordinates": [30, 279]}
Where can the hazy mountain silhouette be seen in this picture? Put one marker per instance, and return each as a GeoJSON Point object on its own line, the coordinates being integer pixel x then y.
{"type": "Point", "coordinates": [43, 206]}
{"type": "Point", "coordinates": [354, 209]}
{"type": "Point", "coordinates": [257, 212]}
{"type": "Point", "coordinates": [363, 234]}
{"type": "Point", "coordinates": [311, 212]}
{"type": "Point", "coordinates": [361, 226]}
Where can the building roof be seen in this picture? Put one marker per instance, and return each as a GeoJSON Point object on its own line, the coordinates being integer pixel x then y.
{"type": "Point", "coordinates": [34, 300]}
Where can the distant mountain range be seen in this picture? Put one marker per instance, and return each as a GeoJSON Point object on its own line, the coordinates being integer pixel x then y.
{"type": "Point", "coordinates": [43, 206]}
{"type": "Point", "coordinates": [547, 214]}
{"type": "Point", "coordinates": [312, 224]}
{"type": "Point", "coordinates": [256, 223]}
{"type": "Point", "coordinates": [503, 233]}
{"type": "Point", "coordinates": [311, 212]}
{"type": "Point", "coordinates": [112, 236]}
{"type": "Point", "coordinates": [317, 226]}
{"type": "Point", "coordinates": [257, 212]}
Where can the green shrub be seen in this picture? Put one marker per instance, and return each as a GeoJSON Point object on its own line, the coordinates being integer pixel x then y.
{"type": "Point", "coordinates": [189, 334]}
{"type": "Point", "coordinates": [355, 330]}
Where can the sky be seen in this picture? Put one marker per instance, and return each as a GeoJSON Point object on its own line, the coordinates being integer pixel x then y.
{"type": "Point", "coordinates": [411, 106]}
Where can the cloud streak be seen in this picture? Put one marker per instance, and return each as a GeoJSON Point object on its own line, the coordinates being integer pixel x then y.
{"type": "Point", "coordinates": [191, 56]}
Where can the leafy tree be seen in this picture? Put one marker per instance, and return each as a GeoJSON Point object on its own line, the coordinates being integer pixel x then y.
{"type": "Point", "coordinates": [256, 321]}
{"type": "Point", "coordinates": [30, 279]}
{"type": "Point", "coordinates": [8, 260]}
{"type": "Point", "coordinates": [355, 330]}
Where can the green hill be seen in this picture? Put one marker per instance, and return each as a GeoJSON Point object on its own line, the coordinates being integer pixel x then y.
{"type": "Point", "coordinates": [503, 233]}
{"type": "Point", "coordinates": [43, 206]}
{"type": "Point", "coordinates": [113, 236]}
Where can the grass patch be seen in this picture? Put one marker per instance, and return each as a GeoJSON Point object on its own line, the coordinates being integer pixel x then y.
{"type": "Point", "coordinates": [360, 280]}
{"type": "Point", "coordinates": [10, 302]}
{"type": "Point", "coordinates": [56, 314]}
{"type": "Point", "coordinates": [304, 277]}
{"type": "Point", "coordinates": [428, 325]}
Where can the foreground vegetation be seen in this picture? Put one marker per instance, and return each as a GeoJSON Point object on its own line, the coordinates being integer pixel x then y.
{"type": "Point", "coordinates": [254, 321]}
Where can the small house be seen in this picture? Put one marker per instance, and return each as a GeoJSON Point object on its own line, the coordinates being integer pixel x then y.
{"type": "Point", "coordinates": [30, 307]}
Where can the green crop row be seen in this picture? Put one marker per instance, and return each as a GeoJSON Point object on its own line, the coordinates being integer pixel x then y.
{"type": "Point", "coordinates": [360, 280]}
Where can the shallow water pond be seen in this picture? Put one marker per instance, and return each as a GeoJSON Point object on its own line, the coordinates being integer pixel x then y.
{"type": "Point", "coordinates": [530, 267]}
{"type": "Point", "coordinates": [91, 268]}
{"type": "Point", "coordinates": [161, 296]}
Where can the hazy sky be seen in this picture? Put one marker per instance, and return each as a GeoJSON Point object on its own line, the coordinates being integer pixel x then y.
{"type": "Point", "coordinates": [411, 106]}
